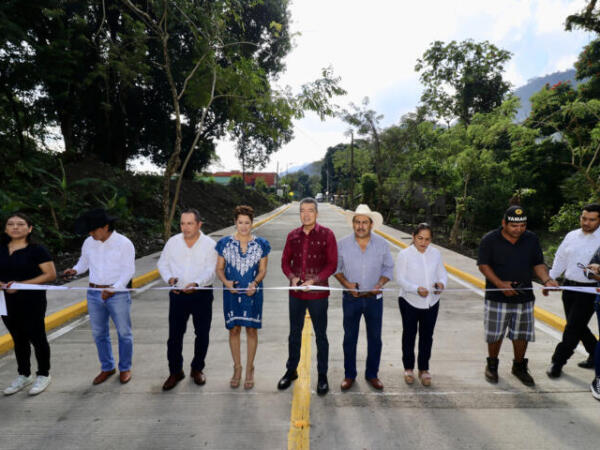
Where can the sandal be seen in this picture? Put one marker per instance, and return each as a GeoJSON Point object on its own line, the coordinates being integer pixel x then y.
{"type": "Point", "coordinates": [249, 382]}
{"type": "Point", "coordinates": [425, 377]}
{"type": "Point", "coordinates": [237, 376]}
{"type": "Point", "coordinates": [409, 376]}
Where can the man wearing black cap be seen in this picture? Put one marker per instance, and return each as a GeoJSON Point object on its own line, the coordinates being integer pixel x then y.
{"type": "Point", "coordinates": [576, 250]}
{"type": "Point", "coordinates": [110, 258]}
{"type": "Point", "coordinates": [506, 258]}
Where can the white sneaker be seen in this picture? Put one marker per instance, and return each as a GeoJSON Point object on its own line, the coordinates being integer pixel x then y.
{"type": "Point", "coordinates": [41, 383]}
{"type": "Point", "coordinates": [595, 388]}
{"type": "Point", "coordinates": [18, 383]}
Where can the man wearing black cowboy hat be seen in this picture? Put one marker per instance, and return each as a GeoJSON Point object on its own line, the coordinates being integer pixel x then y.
{"type": "Point", "coordinates": [110, 258]}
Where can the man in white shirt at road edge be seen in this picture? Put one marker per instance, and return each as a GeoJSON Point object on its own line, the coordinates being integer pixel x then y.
{"type": "Point", "coordinates": [576, 250]}
{"type": "Point", "coordinates": [110, 258]}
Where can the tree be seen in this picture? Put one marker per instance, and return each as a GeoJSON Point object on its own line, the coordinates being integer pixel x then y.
{"type": "Point", "coordinates": [587, 19]}
{"type": "Point", "coordinates": [462, 79]}
{"type": "Point", "coordinates": [562, 114]}
{"type": "Point", "coordinates": [366, 122]}
{"type": "Point", "coordinates": [221, 69]}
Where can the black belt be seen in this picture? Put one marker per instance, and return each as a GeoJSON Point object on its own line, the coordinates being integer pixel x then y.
{"type": "Point", "coordinates": [577, 283]}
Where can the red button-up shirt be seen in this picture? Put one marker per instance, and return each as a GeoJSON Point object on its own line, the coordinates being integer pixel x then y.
{"type": "Point", "coordinates": [311, 256]}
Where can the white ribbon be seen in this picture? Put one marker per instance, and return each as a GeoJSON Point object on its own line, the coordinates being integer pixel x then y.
{"type": "Point", "coordinates": [45, 287]}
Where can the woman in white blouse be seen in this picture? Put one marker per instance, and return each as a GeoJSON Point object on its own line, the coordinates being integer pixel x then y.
{"type": "Point", "coordinates": [422, 277]}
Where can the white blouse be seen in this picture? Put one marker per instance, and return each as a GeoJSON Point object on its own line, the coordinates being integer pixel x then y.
{"type": "Point", "coordinates": [415, 269]}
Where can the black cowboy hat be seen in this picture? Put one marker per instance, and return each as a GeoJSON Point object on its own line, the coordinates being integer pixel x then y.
{"type": "Point", "coordinates": [92, 219]}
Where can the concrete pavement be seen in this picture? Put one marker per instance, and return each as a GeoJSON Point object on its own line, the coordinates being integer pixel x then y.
{"type": "Point", "coordinates": [460, 409]}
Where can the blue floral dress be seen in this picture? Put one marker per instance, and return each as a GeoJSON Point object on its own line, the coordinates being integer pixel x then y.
{"type": "Point", "coordinates": [241, 309]}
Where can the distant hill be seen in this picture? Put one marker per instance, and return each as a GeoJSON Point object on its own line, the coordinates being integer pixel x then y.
{"type": "Point", "coordinates": [312, 168]}
{"type": "Point", "coordinates": [536, 84]}
{"type": "Point", "coordinates": [523, 92]}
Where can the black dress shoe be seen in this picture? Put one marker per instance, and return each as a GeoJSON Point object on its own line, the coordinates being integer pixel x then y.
{"type": "Point", "coordinates": [287, 379]}
{"type": "Point", "coordinates": [554, 371]}
{"type": "Point", "coordinates": [587, 364]}
{"type": "Point", "coordinates": [322, 385]}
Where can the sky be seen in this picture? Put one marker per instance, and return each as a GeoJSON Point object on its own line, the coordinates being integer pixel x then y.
{"type": "Point", "coordinates": [373, 46]}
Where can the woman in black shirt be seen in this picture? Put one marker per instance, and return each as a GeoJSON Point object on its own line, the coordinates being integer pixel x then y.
{"type": "Point", "coordinates": [25, 262]}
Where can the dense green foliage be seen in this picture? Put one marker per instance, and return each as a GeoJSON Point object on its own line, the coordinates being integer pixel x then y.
{"type": "Point", "coordinates": [461, 175]}
{"type": "Point", "coordinates": [116, 79]}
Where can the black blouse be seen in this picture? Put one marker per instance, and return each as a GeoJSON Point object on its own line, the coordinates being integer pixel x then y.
{"type": "Point", "coordinates": [23, 265]}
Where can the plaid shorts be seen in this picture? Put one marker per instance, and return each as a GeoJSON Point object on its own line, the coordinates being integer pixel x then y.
{"type": "Point", "coordinates": [517, 317]}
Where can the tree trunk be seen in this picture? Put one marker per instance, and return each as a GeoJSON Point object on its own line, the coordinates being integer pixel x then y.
{"type": "Point", "coordinates": [460, 211]}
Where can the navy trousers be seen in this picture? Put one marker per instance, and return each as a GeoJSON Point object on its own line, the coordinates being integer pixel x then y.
{"type": "Point", "coordinates": [579, 309]}
{"type": "Point", "coordinates": [423, 321]}
{"type": "Point", "coordinates": [198, 304]}
{"type": "Point", "coordinates": [372, 310]}
{"type": "Point", "coordinates": [317, 309]}
{"type": "Point", "coordinates": [597, 349]}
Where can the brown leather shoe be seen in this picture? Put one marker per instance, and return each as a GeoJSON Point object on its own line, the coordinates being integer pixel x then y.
{"type": "Point", "coordinates": [103, 376]}
{"type": "Point", "coordinates": [172, 381]}
{"type": "Point", "coordinates": [347, 384]}
{"type": "Point", "coordinates": [376, 383]}
{"type": "Point", "coordinates": [125, 376]}
{"type": "Point", "coordinates": [198, 376]}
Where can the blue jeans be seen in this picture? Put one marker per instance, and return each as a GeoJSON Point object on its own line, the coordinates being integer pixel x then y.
{"type": "Point", "coordinates": [423, 321]}
{"type": "Point", "coordinates": [317, 309]}
{"type": "Point", "coordinates": [597, 351]}
{"type": "Point", "coordinates": [118, 308]}
{"type": "Point", "coordinates": [372, 309]}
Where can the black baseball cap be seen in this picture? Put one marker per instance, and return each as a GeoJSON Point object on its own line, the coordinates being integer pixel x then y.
{"type": "Point", "coordinates": [515, 214]}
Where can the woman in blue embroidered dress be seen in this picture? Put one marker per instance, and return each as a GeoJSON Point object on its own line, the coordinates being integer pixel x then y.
{"type": "Point", "coordinates": [241, 266]}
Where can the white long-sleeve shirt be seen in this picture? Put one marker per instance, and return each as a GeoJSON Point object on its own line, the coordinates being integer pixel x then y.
{"type": "Point", "coordinates": [415, 269]}
{"type": "Point", "coordinates": [576, 247]}
{"type": "Point", "coordinates": [189, 265]}
{"type": "Point", "coordinates": [111, 263]}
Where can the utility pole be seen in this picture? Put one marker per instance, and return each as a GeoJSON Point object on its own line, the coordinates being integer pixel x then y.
{"type": "Point", "coordinates": [351, 168]}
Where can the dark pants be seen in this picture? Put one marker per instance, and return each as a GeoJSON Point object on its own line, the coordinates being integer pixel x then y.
{"type": "Point", "coordinates": [199, 305]}
{"type": "Point", "coordinates": [372, 309]}
{"type": "Point", "coordinates": [579, 308]}
{"type": "Point", "coordinates": [414, 319]}
{"type": "Point", "coordinates": [318, 315]}
{"type": "Point", "coordinates": [597, 350]}
{"type": "Point", "coordinates": [25, 322]}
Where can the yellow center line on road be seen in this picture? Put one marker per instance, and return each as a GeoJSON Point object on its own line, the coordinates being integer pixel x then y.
{"type": "Point", "coordinates": [299, 434]}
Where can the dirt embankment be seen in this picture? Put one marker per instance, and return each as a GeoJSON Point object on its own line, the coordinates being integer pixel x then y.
{"type": "Point", "coordinates": [136, 200]}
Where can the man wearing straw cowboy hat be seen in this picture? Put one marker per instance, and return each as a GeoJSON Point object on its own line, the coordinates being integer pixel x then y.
{"type": "Point", "coordinates": [365, 264]}
{"type": "Point", "coordinates": [110, 258]}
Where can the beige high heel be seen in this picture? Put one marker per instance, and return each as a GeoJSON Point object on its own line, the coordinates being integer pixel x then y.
{"type": "Point", "coordinates": [236, 378]}
{"type": "Point", "coordinates": [425, 377]}
{"type": "Point", "coordinates": [249, 382]}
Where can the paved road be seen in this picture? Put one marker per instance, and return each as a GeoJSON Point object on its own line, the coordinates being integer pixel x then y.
{"type": "Point", "coordinates": [460, 409]}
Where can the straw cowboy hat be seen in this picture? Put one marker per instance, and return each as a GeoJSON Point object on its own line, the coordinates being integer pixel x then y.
{"type": "Point", "coordinates": [364, 210]}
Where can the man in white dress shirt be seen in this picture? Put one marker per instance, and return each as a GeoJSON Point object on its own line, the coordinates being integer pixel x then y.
{"type": "Point", "coordinates": [188, 261]}
{"type": "Point", "coordinates": [110, 258]}
{"type": "Point", "coordinates": [576, 249]}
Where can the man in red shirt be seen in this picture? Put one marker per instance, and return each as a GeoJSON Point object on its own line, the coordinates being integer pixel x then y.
{"type": "Point", "coordinates": [309, 258]}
